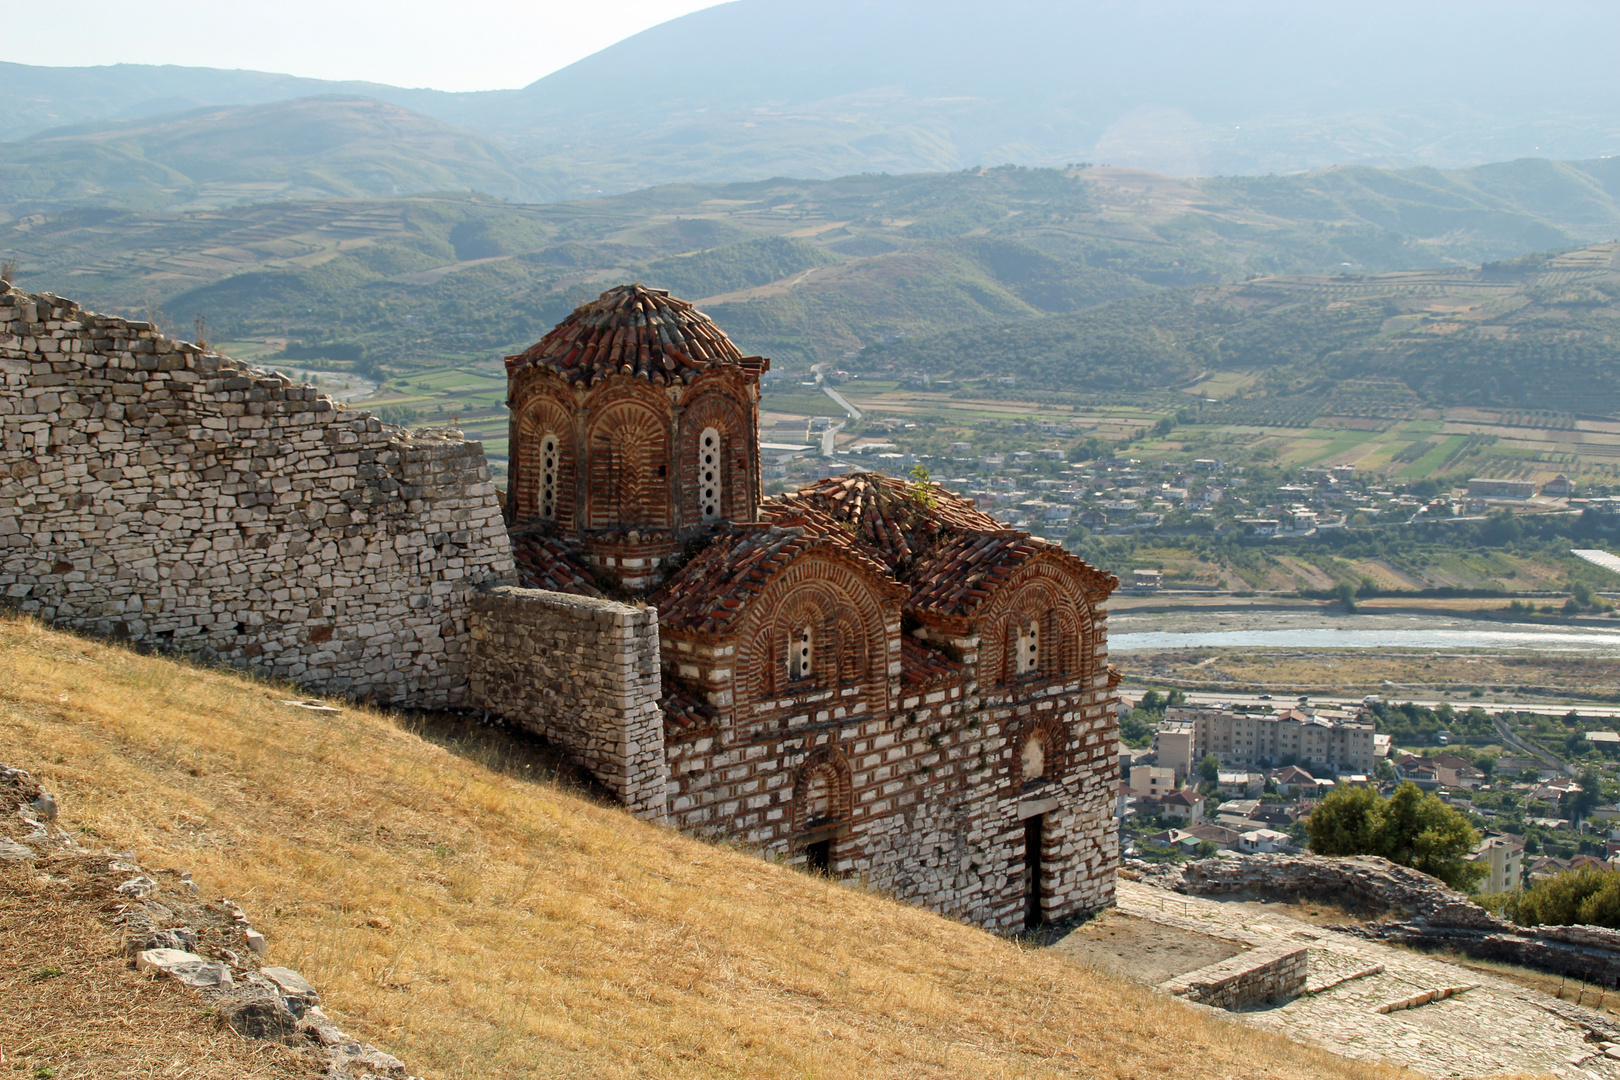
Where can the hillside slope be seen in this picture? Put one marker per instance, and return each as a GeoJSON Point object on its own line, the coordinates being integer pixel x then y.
{"type": "Point", "coordinates": [851, 262]}
{"type": "Point", "coordinates": [327, 147]}
{"type": "Point", "coordinates": [462, 912]}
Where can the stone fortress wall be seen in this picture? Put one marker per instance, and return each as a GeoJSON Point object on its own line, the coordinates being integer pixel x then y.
{"type": "Point", "coordinates": [153, 490]}
{"type": "Point", "coordinates": [584, 673]}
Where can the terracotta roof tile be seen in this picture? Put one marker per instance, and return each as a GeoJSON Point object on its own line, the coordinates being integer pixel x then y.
{"type": "Point", "coordinates": [632, 330]}
{"type": "Point", "coordinates": [713, 589]}
{"type": "Point", "coordinates": [884, 513]}
{"type": "Point", "coordinates": [684, 711]}
{"type": "Point", "coordinates": [922, 664]}
{"type": "Point", "coordinates": [962, 573]}
{"type": "Point", "coordinates": [544, 563]}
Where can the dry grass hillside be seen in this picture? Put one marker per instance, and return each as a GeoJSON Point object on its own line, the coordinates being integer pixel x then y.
{"type": "Point", "coordinates": [478, 920]}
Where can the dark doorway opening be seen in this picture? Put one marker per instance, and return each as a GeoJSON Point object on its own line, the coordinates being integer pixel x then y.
{"type": "Point", "coordinates": [1032, 871]}
{"type": "Point", "coordinates": [818, 857]}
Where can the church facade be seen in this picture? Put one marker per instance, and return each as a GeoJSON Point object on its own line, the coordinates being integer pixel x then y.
{"type": "Point", "coordinates": [869, 676]}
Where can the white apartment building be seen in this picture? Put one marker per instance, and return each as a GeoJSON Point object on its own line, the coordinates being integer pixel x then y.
{"type": "Point", "coordinates": [1244, 739]}
{"type": "Point", "coordinates": [1173, 747]}
{"type": "Point", "coordinates": [1153, 781]}
{"type": "Point", "coordinates": [1505, 861]}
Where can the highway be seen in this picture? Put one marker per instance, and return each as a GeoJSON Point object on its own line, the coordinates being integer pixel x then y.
{"type": "Point", "coordinates": [831, 434]}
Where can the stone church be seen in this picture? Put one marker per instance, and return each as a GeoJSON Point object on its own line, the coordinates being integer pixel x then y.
{"type": "Point", "coordinates": [869, 676]}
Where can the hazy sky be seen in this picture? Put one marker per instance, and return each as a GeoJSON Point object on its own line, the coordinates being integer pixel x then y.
{"type": "Point", "coordinates": [459, 45]}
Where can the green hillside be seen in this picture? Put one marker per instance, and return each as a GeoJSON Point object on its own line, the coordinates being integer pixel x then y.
{"type": "Point", "coordinates": [1083, 279]}
{"type": "Point", "coordinates": [1540, 332]}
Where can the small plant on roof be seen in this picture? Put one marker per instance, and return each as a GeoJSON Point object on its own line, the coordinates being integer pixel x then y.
{"type": "Point", "coordinates": [922, 489]}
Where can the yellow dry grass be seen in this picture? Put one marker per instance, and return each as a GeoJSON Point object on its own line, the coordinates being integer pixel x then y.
{"type": "Point", "coordinates": [74, 1008]}
{"type": "Point", "coordinates": [478, 922]}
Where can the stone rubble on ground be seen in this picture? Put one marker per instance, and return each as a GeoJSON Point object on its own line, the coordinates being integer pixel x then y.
{"type": "Point", "coordinates": [1486, 1025]}
{"type": "Point", "coordinates": [1434, 916]}
{"type": "Point", "coordinates": [170, 935]}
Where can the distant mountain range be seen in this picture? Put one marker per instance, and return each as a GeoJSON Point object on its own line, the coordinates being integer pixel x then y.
{"type": "Point", "coordinates": [822, 88]}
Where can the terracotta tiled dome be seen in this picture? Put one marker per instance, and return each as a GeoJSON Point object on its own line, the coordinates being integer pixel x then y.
{"type": "Point", "coordinates": [631, 330]}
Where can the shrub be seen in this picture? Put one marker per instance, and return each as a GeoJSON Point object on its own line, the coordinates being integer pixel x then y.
{"type": "Point", "coordinates": [1586, 896]}
{"type": "Point", "coordinates": [1411, 828]}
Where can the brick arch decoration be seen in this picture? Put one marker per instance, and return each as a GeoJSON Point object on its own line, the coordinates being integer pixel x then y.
{"type": "Point", "coordinates": [846, 617]}
{"type": "Point", "coordinates": [1053, 736]}
{"type": "Point", "coordinates": [541, 415]}
{"type": "Point", "coordinates": [1054, 598]}
{"type": "Point", "coordinates": [719, 406]}
{"type": "Point", "coordinates": [626, 465]}
{"type": "Point", "coordinates": [823, 793]}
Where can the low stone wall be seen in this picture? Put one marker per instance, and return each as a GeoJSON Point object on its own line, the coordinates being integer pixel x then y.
{"type": "Point", "coordinates": [155, 491]}
{"type": "Point", "coordinates": [1364, 880]}
{"type": "Point", "coordinates": [582, 672]}
{"type": "Point", "coordinates": [1269, 973]}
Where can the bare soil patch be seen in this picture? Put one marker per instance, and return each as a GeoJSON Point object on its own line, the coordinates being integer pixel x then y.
{"type": "Point", "coordinates": [1143, 951]}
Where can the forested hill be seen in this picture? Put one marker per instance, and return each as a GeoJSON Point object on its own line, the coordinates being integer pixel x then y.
{"type": "Point", "coordinates": [1538, 332]}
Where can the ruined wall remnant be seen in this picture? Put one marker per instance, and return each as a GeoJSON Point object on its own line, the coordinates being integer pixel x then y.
{"type": "Point", "coordinates": [1270, 973]}
{"type": "Point", "coordinates": [155, 491]}
{"type": "Point", "coordinates": [583, 672]}
{"type": "Point", "coordinates": [1364, 880]}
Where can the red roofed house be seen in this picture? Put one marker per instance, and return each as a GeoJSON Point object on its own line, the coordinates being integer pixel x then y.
{"type": "Point", "coordinates": [868, 676]}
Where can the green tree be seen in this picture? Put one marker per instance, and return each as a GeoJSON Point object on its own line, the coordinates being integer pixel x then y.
{"type": "Point", "coordinates": [1410, 827]}
{"type": "Point", "coordinates": [1587, 895]}
{"type": "Point", "coordinates": [1345, 593]}
{"type": "Point", "coordinates": [1210, 768]}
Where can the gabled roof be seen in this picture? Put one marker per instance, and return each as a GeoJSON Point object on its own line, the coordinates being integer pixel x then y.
{"type": "Point", "coordinates": [900, 519]}
{"type": "Point", "coordinates": [950, 554]}
{"type": "Point", "coordinates": [708, 594]}
{"type": "Point", "coordinates": [544, 563]}
{"type": "Point", "coordinates": [958, 576]}
{"type": "Point", "coordinates": [633, 330]}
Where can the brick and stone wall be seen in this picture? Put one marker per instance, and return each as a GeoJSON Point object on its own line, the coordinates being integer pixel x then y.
{"type": "Point", "coordinates": [936, 801]}
{"type": "Point", "coordinates": [584, 673]}
{"type": "Point", "coordinates": [1269, 973]}
{"type": "Point", "coordinates": [155, 491]}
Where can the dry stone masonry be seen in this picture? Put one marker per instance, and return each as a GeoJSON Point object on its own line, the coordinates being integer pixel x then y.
{"type": "Point", "coordinates": [153, 490]}
{"type": "Point", "coordinates": [584, 673]}
{"type": "Point", "coordinates": [1271, 973]}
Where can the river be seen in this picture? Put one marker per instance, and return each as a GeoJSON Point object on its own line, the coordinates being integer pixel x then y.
{"type": "Point", "coordinates": [1162, 632]}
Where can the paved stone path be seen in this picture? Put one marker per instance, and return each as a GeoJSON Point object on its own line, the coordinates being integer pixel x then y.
{"type": "Point", "coordinates": [1495, 1027]}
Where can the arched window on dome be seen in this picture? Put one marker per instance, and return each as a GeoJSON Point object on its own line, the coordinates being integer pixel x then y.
{"type": "Point", "coordinates": [709, 475]}
{"type": "Point", "coordinates": [550, 462]}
